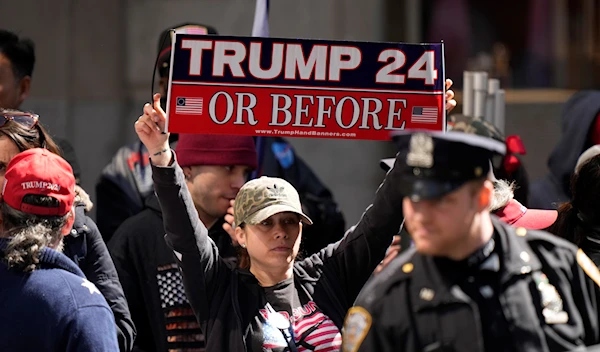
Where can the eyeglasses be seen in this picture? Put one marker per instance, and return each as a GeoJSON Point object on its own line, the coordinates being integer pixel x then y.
{"type": "Point", "coordinates": [24, 119]}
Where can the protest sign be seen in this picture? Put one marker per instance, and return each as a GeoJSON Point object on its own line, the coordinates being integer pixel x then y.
{"type": "Point", "coordinates": [304, 88]}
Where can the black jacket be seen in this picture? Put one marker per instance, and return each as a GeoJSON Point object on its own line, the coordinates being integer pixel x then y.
{"type": "Point", "coordinates": [402, 316]}
{"type": "Point", "coordinates": [87, 249]}
{"type": "Point", "coordinates": [123, 187]}
{"type": "Point", "coordinates": [579, 114]}
{"type": "Point", "coordinates": [226, 301]}
{"type": "Point", "coordinates": [142, 259]}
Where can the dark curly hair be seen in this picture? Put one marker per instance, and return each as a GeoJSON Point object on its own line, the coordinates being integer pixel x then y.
{"type": "Point", "coordinates": [29, 234]}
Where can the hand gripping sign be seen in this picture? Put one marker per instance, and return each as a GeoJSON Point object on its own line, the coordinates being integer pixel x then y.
{"type": "Point", "coordinates": [304, 88]}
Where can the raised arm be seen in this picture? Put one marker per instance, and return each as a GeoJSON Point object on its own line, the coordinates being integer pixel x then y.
{"type": "Point", "coordinates": [353, 259]}
{"type": "Point", "coordinates": [204, 273]}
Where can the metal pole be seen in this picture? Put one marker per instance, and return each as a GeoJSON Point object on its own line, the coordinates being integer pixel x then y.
{"type": "Point", "coordinates": [499, 107]}
{"type": "Point", "coordinates": [468, 93]}
{"type": "Point", "coordinates": [490, 112]}
{"type": "Point", "coordinates": [480, 87]}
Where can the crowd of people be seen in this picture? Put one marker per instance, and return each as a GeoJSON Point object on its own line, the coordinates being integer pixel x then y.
{"type": "Point", "coordinates": [232, 243]}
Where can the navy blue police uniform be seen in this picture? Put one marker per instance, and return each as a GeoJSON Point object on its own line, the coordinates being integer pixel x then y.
{"type": "Point", "coordinates": [521, 291]}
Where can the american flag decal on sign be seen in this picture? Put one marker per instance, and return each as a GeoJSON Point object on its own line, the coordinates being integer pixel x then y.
{"type": "Point", "coordinates": [424, 114]}
{"type": "Point", "coordinates": [189, 106]}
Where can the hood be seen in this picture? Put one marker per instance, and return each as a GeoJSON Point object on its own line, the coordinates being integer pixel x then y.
{"type": "Point", "coordinates": [82, 197]}
{"type": "Point", "coordinates": [152, 203]}
{"type": "Point", "coordinates": [579, 113]}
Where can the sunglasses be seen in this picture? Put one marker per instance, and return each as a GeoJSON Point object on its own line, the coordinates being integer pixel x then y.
{"type": "Point", "coordinates": [24, 119]}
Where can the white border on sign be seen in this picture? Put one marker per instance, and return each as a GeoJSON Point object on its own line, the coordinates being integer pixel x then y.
{"type": "Point", "coordinates": [228, 84]}
{"type": "Point", "coordinates": [444, 116]}
{"type": "Point", "coordinates": [170, 84]}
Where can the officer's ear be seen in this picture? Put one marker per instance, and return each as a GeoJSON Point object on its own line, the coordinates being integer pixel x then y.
{"type": "Point", "coordinates": [486, 194]}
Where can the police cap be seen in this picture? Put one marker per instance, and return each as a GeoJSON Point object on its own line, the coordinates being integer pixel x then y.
{"type": "Point", "coordinates": [434, 164]}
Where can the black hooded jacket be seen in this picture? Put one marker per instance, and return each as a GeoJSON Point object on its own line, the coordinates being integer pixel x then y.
{"type": "Point", "coordinates": [579, 114]}
{"type": "Point", "coordinates": [152, 283]}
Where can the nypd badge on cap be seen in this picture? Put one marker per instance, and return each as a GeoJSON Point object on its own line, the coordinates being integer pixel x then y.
{"type": "Point", "coordinates": [436, 163]}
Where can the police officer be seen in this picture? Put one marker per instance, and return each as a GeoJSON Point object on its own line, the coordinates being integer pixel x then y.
{"type": "Point", "coordinates": [470, 282]}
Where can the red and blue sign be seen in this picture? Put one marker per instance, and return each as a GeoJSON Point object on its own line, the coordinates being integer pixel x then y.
{"type": "Point", "coordinates": [304, 88]}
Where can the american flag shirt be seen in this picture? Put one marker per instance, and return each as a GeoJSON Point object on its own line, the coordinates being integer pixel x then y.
{"type": "Point", "coordinates": [312, 330]}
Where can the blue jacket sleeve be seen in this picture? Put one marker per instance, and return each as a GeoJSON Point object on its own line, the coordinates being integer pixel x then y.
{"type": "Point", "coordinates": [90, 253]}
{"type": "Point", "coordinates": [91, 329]}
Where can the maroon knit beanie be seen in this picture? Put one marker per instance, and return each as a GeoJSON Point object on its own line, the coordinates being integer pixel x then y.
{"type": "Point", "coordinates": [214, 149]}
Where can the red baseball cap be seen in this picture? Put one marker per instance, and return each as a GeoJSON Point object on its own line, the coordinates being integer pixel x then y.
{"type": "Point", "coordinates": [516, 214]}
{"type": "Point", "coordinates": [41, 172]}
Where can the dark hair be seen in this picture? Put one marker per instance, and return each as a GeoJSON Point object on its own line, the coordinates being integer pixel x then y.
{"type": "Point", "coordinates": [20, 52]}
{"type": "Point", "coordinates": [30, 234]}
{"type": "Point", "coordinates": [242, 254]}
{"type": "Point", "coordinates": [26, 138]}
{"type": "Point", "coordinates": [579, 216]}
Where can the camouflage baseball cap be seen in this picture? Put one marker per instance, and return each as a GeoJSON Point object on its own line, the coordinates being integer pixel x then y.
{"type": "Point", "coordinates": [474, 125]}
{"type": "Point", "coordinates": [263, 197]}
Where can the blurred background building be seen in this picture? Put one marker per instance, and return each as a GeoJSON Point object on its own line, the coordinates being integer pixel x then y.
{"type": "Point", "coordinates": [95, 58]}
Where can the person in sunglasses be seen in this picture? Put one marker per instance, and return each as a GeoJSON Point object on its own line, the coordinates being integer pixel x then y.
{"type": "Point", "coordinates": [271, 301]}
{"type": "Point", "coordinates": [20, 131]}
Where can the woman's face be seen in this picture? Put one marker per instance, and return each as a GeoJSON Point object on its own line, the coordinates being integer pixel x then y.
{"type": "Point", "coordinates": [273, 243]}
{"type": "Point", "coordinates": [8, 150]}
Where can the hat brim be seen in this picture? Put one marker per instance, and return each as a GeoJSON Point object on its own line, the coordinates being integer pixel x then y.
{"type": "Point", "coordinates": [271, 210]}
{"type": "Point", "coordinates": [387, 164]}
{"type": "Point", "coordinates": [427, 189]}
{"type": "Point", "coordinates": [537, 219]}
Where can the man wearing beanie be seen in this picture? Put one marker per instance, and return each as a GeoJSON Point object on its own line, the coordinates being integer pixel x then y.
{"type": "Point", "coordinates": [215, 167]}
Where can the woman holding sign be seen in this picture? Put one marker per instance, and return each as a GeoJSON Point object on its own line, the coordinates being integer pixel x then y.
{"type": "Point", "coordinates": [271, 302]}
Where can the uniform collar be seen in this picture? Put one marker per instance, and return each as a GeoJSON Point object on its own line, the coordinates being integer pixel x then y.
{"type": "Point", "coordinates": [518, 257]}
{"type": "Point", "coordinates": [431, 288]}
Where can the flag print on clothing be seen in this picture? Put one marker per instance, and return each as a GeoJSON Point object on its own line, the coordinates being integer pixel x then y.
{"type": "Point", "coordinates": [313, 331]}
{"type": "Point", "coordinates": [183, 331]}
